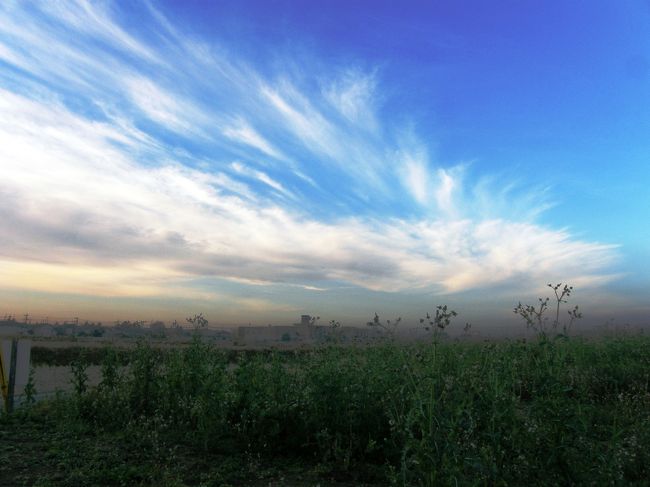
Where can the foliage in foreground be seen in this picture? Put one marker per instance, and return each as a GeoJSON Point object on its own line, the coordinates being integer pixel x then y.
{"type": "Point", "coordinates": [549, 412]}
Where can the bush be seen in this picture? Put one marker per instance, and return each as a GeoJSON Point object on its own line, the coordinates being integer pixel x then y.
{"type": "Point", "coordinates": [552, 412]}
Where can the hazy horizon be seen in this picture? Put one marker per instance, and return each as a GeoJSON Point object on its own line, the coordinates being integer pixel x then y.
{"type": "Point", "coordinates": [255, 161]}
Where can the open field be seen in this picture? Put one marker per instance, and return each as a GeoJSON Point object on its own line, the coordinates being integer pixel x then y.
{"type": "Point", "coordinates": [548, 412]}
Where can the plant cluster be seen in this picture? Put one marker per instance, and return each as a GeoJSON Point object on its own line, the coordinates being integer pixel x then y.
{"type": "Point", "coordinates": [535, 318]}
{"type": "Point", "coordinates": [389, 326]}
{"type": "Point", "coordinates": [439, 321]}
{"type": "Point", "coordinates": [554, 412]}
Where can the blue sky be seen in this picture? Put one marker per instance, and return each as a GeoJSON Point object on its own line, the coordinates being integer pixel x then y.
{"type": "Point", "coordinates": [258, 160]}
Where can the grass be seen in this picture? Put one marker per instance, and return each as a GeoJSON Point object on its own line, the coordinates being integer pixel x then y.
{"type": "Point", "coordinates": [549, 412]}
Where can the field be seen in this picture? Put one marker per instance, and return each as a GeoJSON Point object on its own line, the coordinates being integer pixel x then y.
{"type": "Point", "coordinates": [545, 412]}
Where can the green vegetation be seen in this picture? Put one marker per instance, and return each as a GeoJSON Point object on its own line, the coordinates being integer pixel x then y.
{"type": "Point", "coordinates": [67, 355]}
{"type": "Point", "coordinates": [549, 412]}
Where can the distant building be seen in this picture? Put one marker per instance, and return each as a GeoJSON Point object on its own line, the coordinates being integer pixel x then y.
{"type": "Point", "coordinates": [11, 330]}
{"type": "Point", "coordinates": [46, 331]}
{"type": "Point", "coordinates": [249, 335]}
{"type": "Point", "coordinates": [305, 332]}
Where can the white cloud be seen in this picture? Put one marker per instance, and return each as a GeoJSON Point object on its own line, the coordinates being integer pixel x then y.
{"type": "Point", "coordinates": [353, 96]}
{"type": "Point", "coordinates": [305, 122]}
{"type": "Point", "coordinates": [260, 176]}
{"type": "Point", "coordinates": [415, 174]}
{"type": "Point", "coordinates": [165, 108]}
{"type": "Point", "coordinates": [95, 19]}
{"type": "Point", "coordinates": [242, 132]}
{"type": "Point", "coordinates": [444, 193]}
{"type": "Point", "coordinates": [92, 189]}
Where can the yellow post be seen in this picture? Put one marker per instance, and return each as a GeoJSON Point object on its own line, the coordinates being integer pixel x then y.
{"type": "Point", "coordinates": [4, 377]}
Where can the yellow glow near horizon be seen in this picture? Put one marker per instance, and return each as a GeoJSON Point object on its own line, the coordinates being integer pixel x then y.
{"type": "Point", "coordinates": [140, 279]}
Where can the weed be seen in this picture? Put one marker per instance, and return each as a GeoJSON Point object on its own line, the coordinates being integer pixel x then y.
{"type": "Point", "coordinates": [535, 317]}
{"type": "Point", "coordinates": [388, 327]}
{"type": "Point", "coordinates": [439, 322]}
{"type": "Point", "coordinates": [30, 389]}
{"type": "Point", "coordinates": [467, 328]}
{"type": "Point", "coordinates": [79, 379]}
{"type": "Point", "coordinates": [110, 371]}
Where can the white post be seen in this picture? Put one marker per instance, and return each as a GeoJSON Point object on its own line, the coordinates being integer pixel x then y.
{"type": "Point", "coordinates": [15, 361]}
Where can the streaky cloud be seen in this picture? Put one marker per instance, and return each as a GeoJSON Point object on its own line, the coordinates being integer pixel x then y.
{"type": "Point", "coordinates": [191, 163]}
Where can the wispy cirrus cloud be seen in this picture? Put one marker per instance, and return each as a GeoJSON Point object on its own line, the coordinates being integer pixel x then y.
{"type": "Point", "coordinates": [353, 95]}
{"type": "Point", "coordinates": [171, 158]}
{"type": "Point", "coordinates": [241, 131]}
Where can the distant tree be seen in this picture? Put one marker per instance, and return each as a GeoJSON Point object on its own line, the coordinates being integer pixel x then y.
{"type": "Point", "coordinates": [197, 321]}
{"type": "Point", "coordinates": [157, 325]}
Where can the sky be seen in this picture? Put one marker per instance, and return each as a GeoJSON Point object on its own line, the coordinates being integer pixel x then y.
{"type": "Point", "coordinates": [258, 160]}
